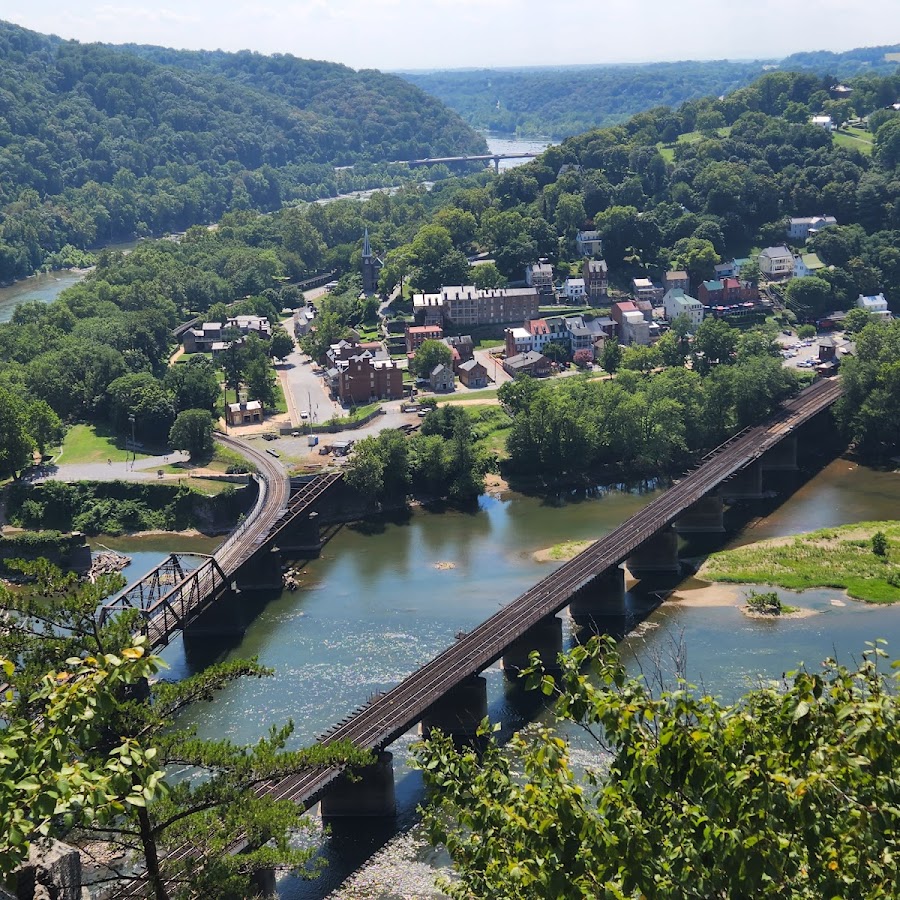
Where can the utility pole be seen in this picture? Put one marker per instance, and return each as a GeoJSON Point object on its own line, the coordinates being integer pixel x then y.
{"type": "Point", "coordinates": [133, 450]}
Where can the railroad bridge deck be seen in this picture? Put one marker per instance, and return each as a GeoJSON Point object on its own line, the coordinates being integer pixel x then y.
{"type": "Point", "coordinates": [183, 587]}
{"type": "Point", "coordinates": [384, 719]}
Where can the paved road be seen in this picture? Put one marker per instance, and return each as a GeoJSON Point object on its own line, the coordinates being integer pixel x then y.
{"type": "Point", "coordinates": [141, 470]}
{"type": "Point", "coordinates": [307, 390]}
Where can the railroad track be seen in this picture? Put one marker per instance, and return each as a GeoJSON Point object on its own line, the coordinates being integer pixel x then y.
{"type": "Point", "coordinates": [379, 722]}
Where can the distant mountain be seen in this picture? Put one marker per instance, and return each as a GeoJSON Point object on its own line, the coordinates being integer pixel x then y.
{"type": "Point", "coordinates": [563, 101]}
{"type": "Point", "coordinates": [101, 142]}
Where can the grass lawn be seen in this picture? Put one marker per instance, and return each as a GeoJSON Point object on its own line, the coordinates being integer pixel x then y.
{"type": "Point", "coordinates": [220, 460]}
{"type": "Point", "coordinates": [831, 557]}
{"type": "Point", "coordinates": [667, 151]}
{"type": "Point", "coordinates": [280, 403]}
{"type": "Point", "coordinates": [487, 394]}
{"type": "Point", "coordinates": [842, 139]}
{"type": "Point", "coordinates": [93, 444]}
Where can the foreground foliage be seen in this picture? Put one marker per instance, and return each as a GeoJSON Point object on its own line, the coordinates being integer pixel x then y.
{"type": "Point", "coordinates": [200, 794]}
{"type": "Point", "coordinates": [791, 792]}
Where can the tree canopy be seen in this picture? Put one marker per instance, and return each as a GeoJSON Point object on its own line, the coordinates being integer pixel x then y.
{"type": "Point", "coordinates": [790, 792]}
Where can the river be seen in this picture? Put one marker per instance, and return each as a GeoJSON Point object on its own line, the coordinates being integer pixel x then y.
{"type": "Point", "coordinates": [507, 143]}
{"type": "Point", "coordinates": [382, 600]}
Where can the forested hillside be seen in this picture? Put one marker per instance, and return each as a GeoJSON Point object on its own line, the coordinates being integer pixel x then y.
{"type": "Point", "coordinates": [558, 102]}
{"type": "Point", "coordinates": [99, 143]}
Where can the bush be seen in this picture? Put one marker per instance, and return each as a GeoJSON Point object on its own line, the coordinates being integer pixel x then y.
{"type": "Point", "coordinates": [805, 332]}
{"type": "Point", "coordinates": [767, 603]}
{"type": "Point", "coordinates": [879, 544]}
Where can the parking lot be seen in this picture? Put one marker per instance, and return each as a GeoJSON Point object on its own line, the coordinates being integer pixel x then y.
{"type": "Point", "coordinates": [802, 354]}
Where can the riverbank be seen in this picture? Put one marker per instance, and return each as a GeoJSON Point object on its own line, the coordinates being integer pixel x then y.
{"type": "Point", "coordinates": [841, 557]}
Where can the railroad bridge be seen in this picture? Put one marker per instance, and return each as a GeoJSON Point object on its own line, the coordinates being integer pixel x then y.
{"type": "Point", "coordinates": [450, 693]}
{"type": "Point", "coordinates": [206, 595]}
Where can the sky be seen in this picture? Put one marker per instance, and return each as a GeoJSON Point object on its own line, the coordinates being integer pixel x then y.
{"type": "Point", "coordinates": [449, 34]}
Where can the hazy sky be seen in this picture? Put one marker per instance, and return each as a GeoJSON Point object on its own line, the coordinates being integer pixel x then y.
{"type": "Point", "coordinates": [405, 34]}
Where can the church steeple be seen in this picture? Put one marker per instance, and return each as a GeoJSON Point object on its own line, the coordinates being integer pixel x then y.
{"type": "Point", "coordinates": [371, 266]}
{"type": "Point", "coordinates": [367, 250]}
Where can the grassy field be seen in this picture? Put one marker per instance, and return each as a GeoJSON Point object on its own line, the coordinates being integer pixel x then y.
{"type": "Point", "coordinates": [831, 557]}
{"type": "Point", "coordinates": [854, 138]}
{"type": "Point", "coordinates": [491, 426]}
{"type": "Point", "coordinates": [93, 444]}
{"type": "Point", "coordinates": [486, 394]}
{"type": "Point", "coordinates": [667, 151]}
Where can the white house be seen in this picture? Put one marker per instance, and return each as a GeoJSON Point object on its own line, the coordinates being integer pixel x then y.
{"type": "Point", "coordinates": [635, 328]}
{"type": "Point", "coordinates": [588, 243]}
{"type": "Point", "coordinates": [677, 303]}
{"type": "Point", "coordinates": [876, 305]}
{"type": "Point", "coordinates": [776, 262]}
{"type": "Point", "coordinates": [807, 264]}
{"type": "Point", "coordinates": [575, 289]}
{"type": "Point", "coordinates": [801, 227]}
{"type": "Point", "coordinates": [823, 122]}
{"type": "Point", "coordinates": [539, 275]}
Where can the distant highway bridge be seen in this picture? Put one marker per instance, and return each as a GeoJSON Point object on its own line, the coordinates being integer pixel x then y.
{"type": "Point", "coordinates": [449, 692]}
{"type": "Point", "coordinates": [495, 158]}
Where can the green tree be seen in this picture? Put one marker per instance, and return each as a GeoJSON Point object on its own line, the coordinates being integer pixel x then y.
{"type": "Point", "coordinates": [487, 275]}
{"type": "Point", "coordinates": [435, 259]}
{"type": "Point", "coordinates": [762, 797]}
{"type": "Point", "coordinates": [193, 432]}
{"type": "Point", "coordinates": [857, 319]}
{"type": "Point", "coordinates": [428, 355]}
{"type": "Point", "coordinates": [640, 358]}
{"type": "Point", "coordinates": [54, 778]}
{"type": "Point", "coordinates": [15, 441]}
{"type": "Point", "coordinates": [809, 296]}
{"type": "Point", "coordinates": [44, 425]}
{"type": "Point", "coordinates": [58, 621]}
{"type": "Point", "coordinates": [281, 344]}
{"type": "Point", "coordinates": [804, 332]}
{"type": "Point", "coordinates": [879, 544]}
{"type": "Point", "coordinates": [714, 342]}
{"type": "Point", "coordinates": [193, 384]}
{"type": "Point", "coordinates": [697, 256]}
{"type": "Point", "coordinates": [145, 398]}
{"type": "Point", "coordinates": [612, 355]}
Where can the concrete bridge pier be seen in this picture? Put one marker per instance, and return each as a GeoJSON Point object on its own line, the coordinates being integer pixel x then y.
{"type": "Point", "coordinates": [262, 572]}
{"type": "Point", "coordinates": [656, 556]}
{"type": "Point", "coordinates": [603, 596]}
{"type": "Point", "coordinates": [226, 616]}
{"type": "Point", "coordinates": [302, 536]}
{"type": "Point", "coordinates": [545, 637]}
{"type": "Point", "coordinates": [782, 457]}
{"type": "Point", "coordinates": [459, 712]}
{"type": "Point", "coordinates": [706, 516]}
{"type": "Point", "coordinates": [370, 795]}
{"type": "Point", "coordinates": [745, 485]}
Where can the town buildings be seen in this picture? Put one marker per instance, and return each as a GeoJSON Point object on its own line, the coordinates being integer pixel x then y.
{"type": "Point", "coordinates": [677, 303]}
{"type": "Point", "coordinates": [645, 289]}
{"type": "Point", "coordinates": [539, 276]}
{"type": "Point", "coordinates": [371, 266]}
{"type": "Point", "coordinates": [416, 335]}
{"type": "Point", "coordinates": [631, 325]}
{"type": "Point", "coordinates": [876, 305]}
{"type": "Point", "coordinates": [588, 243]}
{"type": "Point", "coordinates": [807, 264]}
{"type": "Point", "coordinates": [800, 228]}
{"type": "Point", "coordinates": [363, 379]}
{"type": "Point", "coordinates": [465, 305]}
{"type": "Point", "coordinates": [677, 279]}
{"type": "Point", "coordinates": [246, 413]}
{"type": "Point", "coordinates": [575, 290]}
{"type": "Point", "coordinates": [530, 363]}
{"type": "Point", "coordinates": [473, 374]}
{"type": "Point", "coordinates": [596, 278]}
{"type": "Point", "coordinates": [776, 262]}
{"type": "Point", "coordinates": [441, 379]}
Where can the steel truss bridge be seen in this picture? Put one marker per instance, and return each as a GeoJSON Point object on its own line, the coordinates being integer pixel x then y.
{"type": "Point", "coordinates": [185, 585]}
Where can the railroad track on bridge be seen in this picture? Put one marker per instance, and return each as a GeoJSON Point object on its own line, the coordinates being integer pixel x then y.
{"type": "Point", "coordinates": [171, 596]}
{"type": "Point", "coordinates": [379, 722]}
{"type": "Point", "coordinates": [385, 718]}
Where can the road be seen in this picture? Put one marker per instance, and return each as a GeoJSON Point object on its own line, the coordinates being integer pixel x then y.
{"type": "Point", "coordinates": [141, 470]}
{"type": "Point", "coordinates": [496, 373]}
{"type": "Point", "coordinates": [304, 390]}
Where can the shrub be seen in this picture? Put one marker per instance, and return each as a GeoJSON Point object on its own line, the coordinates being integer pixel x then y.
{"type": "Point", "coordinates": [767, 603]}
{"type": "Point", "coordinates": [879, 544]}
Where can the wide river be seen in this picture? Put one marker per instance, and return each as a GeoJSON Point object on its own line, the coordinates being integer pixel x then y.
{"type": "Point", "coordinates": [385, 598]}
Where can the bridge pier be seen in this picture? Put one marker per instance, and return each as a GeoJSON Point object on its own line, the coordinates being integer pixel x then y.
{"type": "Point", "coordinates": [301, 536]}
{"type": "Point", "coordinates": [782, 457]}
{"type": "Point", "coordinates": [370, 795]}
{"type": "Point", "coordinates": [226, 616]}
{"type": "Point", "coordinates": [459, 712]}
{"type": "Point", "coordinates": [262, 572]}
{"type": "Point", "coordinates": [706, 516]}
{"type": "Point", "coordinates": [656, 556]}
{"type": "Point", "coordinates": [545, 637]}
{"type": "Point", "coordinates": [747, 484]}
{"type": "Point", "coordinates": [603, 595]}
